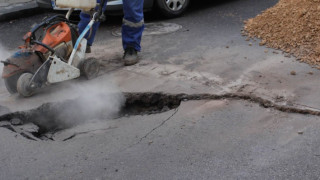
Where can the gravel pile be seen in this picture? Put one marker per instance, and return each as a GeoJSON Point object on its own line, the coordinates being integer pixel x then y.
{"type": "Point", "coordinates": [292, 26]}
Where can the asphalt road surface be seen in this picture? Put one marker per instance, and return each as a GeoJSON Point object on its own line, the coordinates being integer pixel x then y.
{"type": "Point", "coordinates": [266, 129]}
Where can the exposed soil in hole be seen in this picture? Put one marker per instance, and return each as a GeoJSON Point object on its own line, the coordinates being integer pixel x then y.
{"type": "Point", "coordinates": [50, 118]}
{"type": "Point", "coordinates": [149, 103]}
{"type": "Point", "coordinates": [47, 119]}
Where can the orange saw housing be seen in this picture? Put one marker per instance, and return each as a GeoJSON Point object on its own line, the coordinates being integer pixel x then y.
{"type": "Point", "coordinates": [55, 35]}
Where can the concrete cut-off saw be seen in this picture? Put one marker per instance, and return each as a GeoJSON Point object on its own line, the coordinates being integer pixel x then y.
{"type": "Point", "coordinates": [56, 55]}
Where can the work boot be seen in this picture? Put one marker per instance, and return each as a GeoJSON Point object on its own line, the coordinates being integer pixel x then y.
{"type": "Point", "coordinates": [130, 56]}
{"type": "Point", "coordinates": [88, 49]}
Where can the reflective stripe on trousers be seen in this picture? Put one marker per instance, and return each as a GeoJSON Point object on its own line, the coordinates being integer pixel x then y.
{"type": "Point", "coordinates": [132, 28]}
{"type": "Point", "coordinates": [132, 24]}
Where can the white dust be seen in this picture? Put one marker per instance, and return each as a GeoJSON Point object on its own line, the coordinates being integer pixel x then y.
{"type": "Point", "coordinates": [97, 101]}
{"type": "Point", "coordinates": [4, 54]}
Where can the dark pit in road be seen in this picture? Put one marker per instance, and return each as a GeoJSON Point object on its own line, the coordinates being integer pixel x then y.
{"type": "Point", "coordinates": [50, 118]}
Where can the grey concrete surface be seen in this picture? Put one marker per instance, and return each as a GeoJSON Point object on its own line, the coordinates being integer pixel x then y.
{"type": "Point", "coordinates": [199, 140]}
{"type": "Point", "coordinates": [227, 139]}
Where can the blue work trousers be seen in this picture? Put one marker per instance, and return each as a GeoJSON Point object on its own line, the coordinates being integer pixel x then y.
{"type": "Point", "coordinates": [132, 27]}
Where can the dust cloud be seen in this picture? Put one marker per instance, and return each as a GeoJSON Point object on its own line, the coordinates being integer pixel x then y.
{"type": "Point", "coordinates": [80, 102]}
{"type": "Point", "coordinates": [89, 102]}
{"type": "Point", "coordinates": [104, 99]}
{"type": "Point", "coordinates": [4, 54]}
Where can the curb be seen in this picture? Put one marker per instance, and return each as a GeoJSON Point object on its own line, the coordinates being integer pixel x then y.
{"type": "Point", "coordinates": [17, 10]}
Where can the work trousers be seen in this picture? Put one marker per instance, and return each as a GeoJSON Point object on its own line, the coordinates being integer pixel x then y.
{"type": "Point", "coordinates": [132, 26]}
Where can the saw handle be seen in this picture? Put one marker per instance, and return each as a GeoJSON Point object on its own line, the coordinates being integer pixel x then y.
{"type": "Point", "coordinates": [49, 48]}
{"type": "Point", "coordinates": [99, 12]}
{"type": "Point", "coordinates": [32, 36]}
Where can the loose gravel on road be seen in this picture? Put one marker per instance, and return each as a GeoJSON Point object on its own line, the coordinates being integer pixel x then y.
{"type": "Point", "coordinates": [292, 26]}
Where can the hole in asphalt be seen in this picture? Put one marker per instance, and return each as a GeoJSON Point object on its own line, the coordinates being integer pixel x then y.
{"type": "Point", "coordinates": [41, 123]}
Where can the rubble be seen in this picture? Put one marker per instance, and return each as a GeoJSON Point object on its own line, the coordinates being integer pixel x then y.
{"type": "Point", "coordinates": [293, 73]}
{"type": "Point", "coordinates": [292, 26]}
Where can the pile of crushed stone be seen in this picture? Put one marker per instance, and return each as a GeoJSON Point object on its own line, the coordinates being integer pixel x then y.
{"type": "Point", "coordinates": [292, 26]}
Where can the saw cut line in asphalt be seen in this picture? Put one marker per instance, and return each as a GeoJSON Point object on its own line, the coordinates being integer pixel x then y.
{"type": "Point", "coordinates": [51, 118]}
{"type": "Point", "coordinates": [153, 29]}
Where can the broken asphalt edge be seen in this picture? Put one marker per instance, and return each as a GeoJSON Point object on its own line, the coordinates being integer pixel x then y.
{"type": "Point", "coordinates": [188, 97]}
{"type": "Point", "coordinates": [36, 116]}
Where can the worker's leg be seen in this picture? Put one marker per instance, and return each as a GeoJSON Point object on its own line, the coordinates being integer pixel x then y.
{"type": "Point", "coordinates": [133, 24]}
{"type": "Point", "coordinates": [85, 18]}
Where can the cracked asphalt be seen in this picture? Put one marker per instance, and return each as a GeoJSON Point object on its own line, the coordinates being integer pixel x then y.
{"type": "Point", "coordinates": [223, 138]}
